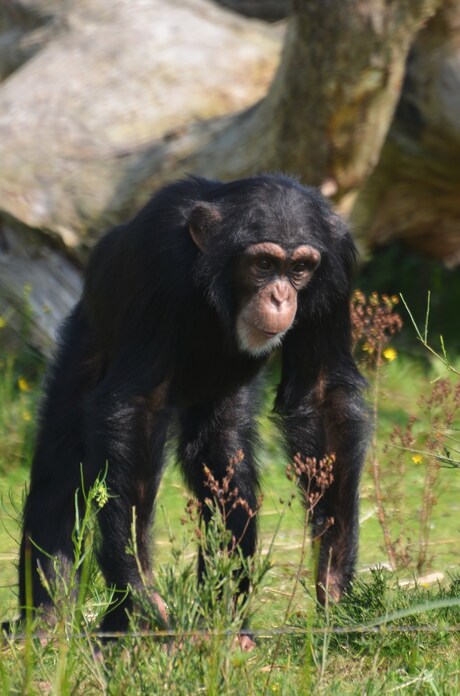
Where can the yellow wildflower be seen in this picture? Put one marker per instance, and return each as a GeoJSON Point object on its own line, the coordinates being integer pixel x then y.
{"type": "Point", "coordinates": [367, 348]}
{"type": "Point", "coordinates": [24, 385]}
{"type": "Point", "coordinates": [2, 323]}
{"type": "Point", "coordinates": [417, 458]}
{"type": "Point", "coordinates": [390, 354]}
{"type": "Point", "coordinates": [26, 416]}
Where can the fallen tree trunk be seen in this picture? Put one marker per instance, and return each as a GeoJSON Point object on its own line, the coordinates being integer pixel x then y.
{"type": "Point", "coordinates": [414, 192]}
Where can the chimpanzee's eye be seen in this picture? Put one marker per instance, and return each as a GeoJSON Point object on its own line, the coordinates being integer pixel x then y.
{"type": "Point", "coordinates": [303, 266]}
{"type": "Point", "coordinates": [264, 263]}
{"type": "Point", "coordinates": [300, 267]}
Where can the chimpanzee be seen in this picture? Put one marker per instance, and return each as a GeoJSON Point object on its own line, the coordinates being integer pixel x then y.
{"type": "Point", "coordinates": [181, 308]}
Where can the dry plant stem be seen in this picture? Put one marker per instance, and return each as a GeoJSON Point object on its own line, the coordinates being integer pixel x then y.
{"type": "Point", "coordinates": [424, 338]}
{"type": "Point", "coordinates": [398, 512]}
{"type": "Point", "coordinates": [291, 598]}
{"type": "Point", "coordinates": [327, 634]}
{"type": "Point", "coordinates": [444, 360]}
{"type": "Point", "coordinates": [428, 501]}
{"type": "Point", "coordinates": [376, 472]}
{"type": "Point", "coordinates": [424, 453]}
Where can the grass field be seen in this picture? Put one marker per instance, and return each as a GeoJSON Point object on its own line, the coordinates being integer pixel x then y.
{"type": "Point", "coordinates": [398, 631]}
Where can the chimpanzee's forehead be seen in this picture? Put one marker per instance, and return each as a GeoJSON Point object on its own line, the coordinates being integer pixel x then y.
{"type": "Point", "coordinates": [272, 211]}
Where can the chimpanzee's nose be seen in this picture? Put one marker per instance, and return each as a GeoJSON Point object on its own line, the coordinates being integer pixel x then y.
{"type": "Point", "coordinates": [280, 293]}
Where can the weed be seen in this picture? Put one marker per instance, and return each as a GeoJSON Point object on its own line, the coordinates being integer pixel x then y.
{"type": "Point", "coordinates": [427, 439]}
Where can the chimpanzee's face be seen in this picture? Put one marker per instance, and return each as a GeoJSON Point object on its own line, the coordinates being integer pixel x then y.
{"type": "Point", "coordinates": [269, 241]}
{"type": "Point", "coordinates": [269, 279]}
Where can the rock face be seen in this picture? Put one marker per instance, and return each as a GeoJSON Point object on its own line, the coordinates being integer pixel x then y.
{"type": "Point", "coordinates": [96, 95]}
{"type": "Point", "coordinates": [270, 10]}
{"type": "Point", "coordinates": [38, 287]}
{"type": "Point", "coordinates": [96, 109]}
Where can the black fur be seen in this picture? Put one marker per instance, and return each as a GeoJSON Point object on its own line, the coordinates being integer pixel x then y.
{"type": "Point", "coordinates": [154, 337]}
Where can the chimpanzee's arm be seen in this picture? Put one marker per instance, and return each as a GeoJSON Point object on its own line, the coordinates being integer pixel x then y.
{"type": "Point", "coordinates": [322, 414]}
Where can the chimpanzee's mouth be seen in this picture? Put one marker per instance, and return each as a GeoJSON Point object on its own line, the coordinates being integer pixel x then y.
{"type": "Point", "coordinates": [255, 340]}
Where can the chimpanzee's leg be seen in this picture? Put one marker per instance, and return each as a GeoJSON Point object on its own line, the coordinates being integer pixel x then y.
{"type": "Point", "coordinates": [127, 434]}
{"type": "Point", "coordinates": [211, 436]}
{"type": "Point", "coordinates": [346, 433]}
{"type": "Point", "coordinates": [49, 513]}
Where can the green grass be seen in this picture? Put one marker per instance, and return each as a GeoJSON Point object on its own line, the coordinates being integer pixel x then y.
{"type": "Point", "coordinates": [403, 655]}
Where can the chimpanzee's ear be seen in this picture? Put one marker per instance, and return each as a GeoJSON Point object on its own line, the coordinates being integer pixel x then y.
{"type": "Point", "coordinates": [337, 225]}
{"type": "Point", "coordinates": [203, 221]}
